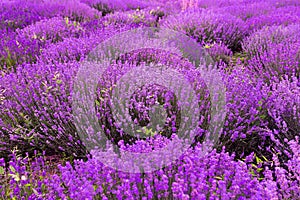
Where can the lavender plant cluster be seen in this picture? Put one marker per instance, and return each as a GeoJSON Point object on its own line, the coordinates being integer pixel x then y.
{"type": "Point", "coordinates": [255, 47]}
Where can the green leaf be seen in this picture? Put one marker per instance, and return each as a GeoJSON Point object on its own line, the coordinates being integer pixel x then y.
{"type": "Point", "coordinates": [263, 116]}
{"type": "Point", "coordinates": [265, 158]}
{"type": "Point", "coordinates": [58, 81]}
{"type": "Point", "coordinates": [104, 90]}
{"type": "Point", "coordinates": [259, 169]}
{"type": "Point", "coordinates": [67, 20]}
{"type": "Point", "coordinates": [252, 173]}
{"type": "Point", "coordinates": [15, 177]}
{"type": "Point", "coordinates": [97, 102]}
{"type": "Point", "coordinates": [95, 187]}
{"type": "Point", "coordinates": [12, 169]}
{"type": "Point", "coordinates": [218, 178]}
{"type": "Point", "coordinates": [35, 192]}
{"type": "Point", "coordinates": [258, 160]}
{"type": "Point", "coordinates": [1, 171]}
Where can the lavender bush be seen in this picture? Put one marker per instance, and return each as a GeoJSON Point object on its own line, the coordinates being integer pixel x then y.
{"type": "Point", "coordinates": [274, 51]}
{"type": "Point", "coordinates": [209, 26]}
{"type": "Point", "coordinates": [241, 62]}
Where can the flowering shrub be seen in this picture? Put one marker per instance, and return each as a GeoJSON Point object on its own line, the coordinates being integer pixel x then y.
{"type": "Point", "coordinates": [247, 10]}
{"type": "Point", "coordinates": [214, 176]}
{"type": "Point", "coordinates": [274, 51]}
{"type": "Point", "coordinates": [242, 93]}
{"type": "Point", "coordinates": [209, 26]}
{"type": "Point", "coordinates": [32, 106]}
{"type": "Point", "coordinates": [54, 30]}
{"type": "Point", "coordinates": [140, 103]}
{"type": "Point", "coordinates": [145, 17]}
{"type": "Point", "coordinates": [16, 50]}
{"type": "Point", "coordinates": [219, 52]}
{"type": "Point", "coordinates": [19, 14]}
{"type": "Point", "coordinates": [280, 16]}
{"type": "Point", "coordinates": [107, 7]}
{"type": "Point", "coordinates": [25, 44]}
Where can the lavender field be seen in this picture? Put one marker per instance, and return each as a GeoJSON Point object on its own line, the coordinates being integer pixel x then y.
{"type": "Point", "coordinates": [149, 99]}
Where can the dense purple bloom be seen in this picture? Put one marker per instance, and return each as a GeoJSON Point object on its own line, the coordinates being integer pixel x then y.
{"type": "Point", "coordinates": [253, 49]}
{"type": "Point", "coordinates": [37, 103]}
{"type": "Point", "coordinates": [274, 51]}
{"type": "Point", "coordinates": [209, 26]}
{"type": "Point", "coordinates": [106, 6]}
{"type": "Point", "coordinates": [247, 11]}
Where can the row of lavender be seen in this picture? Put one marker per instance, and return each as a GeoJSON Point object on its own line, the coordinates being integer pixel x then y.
{"type": "Point", "coordinates": [255, 45]}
